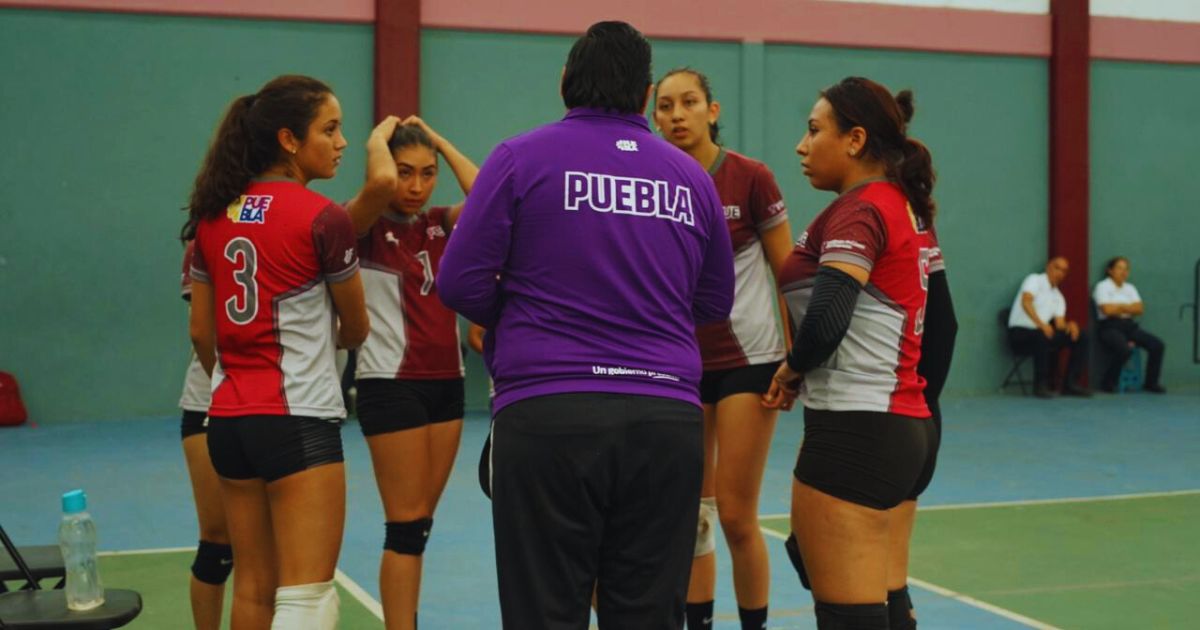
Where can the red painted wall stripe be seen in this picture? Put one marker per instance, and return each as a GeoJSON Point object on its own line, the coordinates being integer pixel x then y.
{"type": "Point", "coordinates": [359, 11]}
{"type": "Point", "coordinates": [1069, 109]}
{"type": "Point", "coordinates": [1145, 40]}
{"type": "Point", "coordinates": [785, 21]}
{"type": "Point", "coordinates": [810, 22]}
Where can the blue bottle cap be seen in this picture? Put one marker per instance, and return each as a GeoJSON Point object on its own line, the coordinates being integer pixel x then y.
{"type": "Point", "coordinates": [74, 501]}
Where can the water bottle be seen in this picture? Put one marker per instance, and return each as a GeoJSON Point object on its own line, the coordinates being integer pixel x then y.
{"type": "Point", "coordinates": [77, 539]}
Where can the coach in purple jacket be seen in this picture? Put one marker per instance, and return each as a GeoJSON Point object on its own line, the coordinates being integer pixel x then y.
{"type": "Point", "coordinates": [590, 248]}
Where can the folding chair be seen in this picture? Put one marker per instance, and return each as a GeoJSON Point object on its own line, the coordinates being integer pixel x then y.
{"type": "Point", "coordinates": [1015, 374]}
{"type": "Point", "coordinates": [44, 563]}
{"type": "Point", "coordinates": [32, 608]}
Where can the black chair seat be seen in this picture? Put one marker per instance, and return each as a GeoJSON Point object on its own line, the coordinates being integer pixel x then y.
{"type": "Point", "coordinates": [40, 610]}
{"type": "Point", "coordinates": [44, 561]}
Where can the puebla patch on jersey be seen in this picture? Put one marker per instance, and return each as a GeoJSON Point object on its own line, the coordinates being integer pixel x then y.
{"type": "Point", "coordinates": [249, 209]}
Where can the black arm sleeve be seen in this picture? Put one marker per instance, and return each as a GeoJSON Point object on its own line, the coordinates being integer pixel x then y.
{"type": "Point", "coordinates": [937, 342]}
{"type": "Point", "coordinates": [827, 319]}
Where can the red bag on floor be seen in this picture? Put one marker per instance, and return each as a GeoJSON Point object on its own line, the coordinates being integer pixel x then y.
{"type": "Point", "coordinates": [12, 410]}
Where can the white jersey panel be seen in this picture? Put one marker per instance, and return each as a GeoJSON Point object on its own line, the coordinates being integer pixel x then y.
{"type": "Point", "coordinates": [382, 354]}
{"type": "Point", "coordinates": [197, 387]}
{"type": "Point", "coordinates": [308, 352]}
{"type": "Point", "coordinates": [861, 374]}
{"type": "Point", "coordinates": [754, 306]}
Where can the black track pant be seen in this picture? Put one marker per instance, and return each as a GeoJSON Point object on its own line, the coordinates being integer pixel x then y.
{"type": "Point", "coordinates": [1117, 335]}
{"type": "Point", "coordinates": [1044, 351]}
{"type": "Point", "coordinates": [595, 489]}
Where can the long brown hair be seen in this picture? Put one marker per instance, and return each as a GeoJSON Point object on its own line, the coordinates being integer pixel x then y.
{"type": "Point", "coordinates": [246, 142]}
{"type": "Point", "coordinates": [860, 102]}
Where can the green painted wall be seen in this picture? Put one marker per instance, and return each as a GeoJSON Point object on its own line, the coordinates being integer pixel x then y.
{"type": "Point", "coordinates": [107, 117]}
{"type": "Point", "coordinates": [1146, 195]}
{"type": "Point", "coordinates": [111, 114]}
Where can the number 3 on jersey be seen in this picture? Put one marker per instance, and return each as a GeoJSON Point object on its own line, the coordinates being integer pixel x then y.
{"type": "Point", "coordinates": [240, 251]}
{"type": "Point", "coordinates": [923, 258]}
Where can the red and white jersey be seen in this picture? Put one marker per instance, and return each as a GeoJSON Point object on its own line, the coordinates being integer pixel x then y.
{"type": "Point", "coordinates": [268, 259]}
{"type": "Point", "coordinates": [197, 387]}
{"type": "Point", "coordinates": [875, 367]}
{"type": "Point", "coordinates": [413, 335]}
{"type": "Point", "coordinates": [753, 205]}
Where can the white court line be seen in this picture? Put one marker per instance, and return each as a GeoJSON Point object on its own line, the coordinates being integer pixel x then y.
{"type": "Point", "coordinates": [982, 605]}
{"type": "Point", "coordinates": [357, 592]}
{"type": "Point", "coordinates": [352, 587]}
{"type": "Point", "coordinates": [959, 597]}
{"type": "Point", "coordinates": [972, 506]}
{"type": "Point", "coordinates": [1107, 497]}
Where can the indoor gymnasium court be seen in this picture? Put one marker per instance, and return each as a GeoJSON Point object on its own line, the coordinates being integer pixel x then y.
{"type": "Point", "coordinates": [1059, 129]}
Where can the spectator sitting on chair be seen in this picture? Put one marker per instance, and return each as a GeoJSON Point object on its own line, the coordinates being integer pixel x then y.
{"type": "Point", "coordinates": [1118, 303]}
{"type": "Point", "coordinates": [1038, 325]}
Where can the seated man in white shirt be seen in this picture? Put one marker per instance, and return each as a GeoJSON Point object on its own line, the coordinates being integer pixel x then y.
{"type": "Point", "coordinates": [1118, 303]}
{"type": "Point", "coordinates": [1038, 325]}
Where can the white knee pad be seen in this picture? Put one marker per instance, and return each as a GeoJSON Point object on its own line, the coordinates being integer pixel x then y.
{"type": "Point", "coordinates": [706, 527]}
{"type": "Point", "coordinates": [306, 607]}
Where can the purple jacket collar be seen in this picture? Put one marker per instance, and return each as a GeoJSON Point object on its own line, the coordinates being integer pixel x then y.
{"type": "Point", "coordinates": [596, 112]}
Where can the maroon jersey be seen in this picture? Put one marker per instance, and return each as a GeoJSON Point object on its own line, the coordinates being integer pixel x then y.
{"type": "Point", "coordinates": [268, 259]}
{"type": "Point", "coordinates": [753, 205]}
{"type": "Point", "coordinates": [875, 367]}
{"type": "Point", "coordinates": [413, 335]}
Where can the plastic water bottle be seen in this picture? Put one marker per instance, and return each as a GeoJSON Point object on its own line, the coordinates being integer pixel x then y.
{"type": "Point", "coordinates": [77, 539]}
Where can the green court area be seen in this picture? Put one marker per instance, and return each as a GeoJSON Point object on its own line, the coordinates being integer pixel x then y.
{"type": "Point", "coordinates": [162, 579]}
{"type": "Point", "coordinates": [1123, 563]}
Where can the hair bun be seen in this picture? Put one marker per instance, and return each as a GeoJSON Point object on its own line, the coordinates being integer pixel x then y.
{"type": "Point", "coordinates": [905, 100]}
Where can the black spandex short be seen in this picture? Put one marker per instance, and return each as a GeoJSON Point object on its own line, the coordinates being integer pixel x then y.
{"type": "Point", "coordinates": [386, 405]}
{"type": "Point", "coordinates": [752, 379]}
{"type": "Point", "coordinates": [192, 423]}
{"type": "Point", "coordinates": [272, 447]}
{"type": "Point", "coordinates": [871, 458]}
{"type": "Point", "coordinates": [931, 459]}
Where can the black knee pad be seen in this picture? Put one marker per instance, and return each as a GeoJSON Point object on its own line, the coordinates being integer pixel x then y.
{"type": "Point", "coordinates": [793, 551]}
{"type": "Point", "coordinates": [408, 537]}
{"type": "Point", "coordinates": [851, 616]}
{"type": "Point", "coordinates": [213, 562]}
{"type": "Point", "coordinates": [900, 610]}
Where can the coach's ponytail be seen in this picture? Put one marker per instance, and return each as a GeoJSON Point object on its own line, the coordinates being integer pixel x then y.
{"type": "Point", "coordinates": [247, 143]}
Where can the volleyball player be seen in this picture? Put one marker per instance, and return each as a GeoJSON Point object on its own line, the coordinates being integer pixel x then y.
{"type": "Point", "coordinates": [589, 249]}
{"type": "Point", "coordinates": [214, 555]}
{"type": "Point", "coordinates": [740, 354]}
{"type": "Point", "coordinates": [856, 285]}
{"type": "Point", "coordinates": [270, 256]}
{"type": "Point", "coordinates": [410, 370]}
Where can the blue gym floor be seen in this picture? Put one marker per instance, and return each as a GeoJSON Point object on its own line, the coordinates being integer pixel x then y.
{"type": "Point", "coordinates": [997, 449]}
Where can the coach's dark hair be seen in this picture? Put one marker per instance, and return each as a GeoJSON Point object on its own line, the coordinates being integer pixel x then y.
{"type": "Point", "coordinates": [409, 135]}
{"type": "Point", "coordinates": [608, 68]}
{"type": "Point", "coordinates": [1112, 262]}
{"type": "Point", "coordinates": [247, 143]}
{"type": "Point", "coordinates": [860, 102]}
{"type": "Point", "coordinates": [714, 130]}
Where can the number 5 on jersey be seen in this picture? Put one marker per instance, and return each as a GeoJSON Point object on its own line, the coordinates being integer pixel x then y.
{"type": "Point", "coordinates": [923, 257]}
